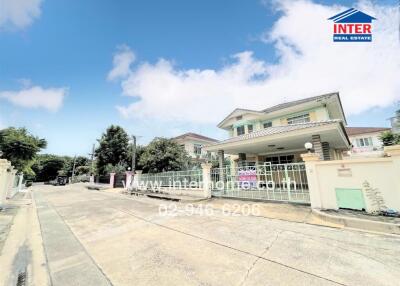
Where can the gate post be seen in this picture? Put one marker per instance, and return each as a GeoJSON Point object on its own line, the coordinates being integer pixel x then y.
{"type": "Point", "coordinates": [20, 179]}
{"type": "Point", "coordinates": [112, 180]}
{"type": "Point", "coordinates": [206, 167]}
{"type": "Point", "coordinates": [310, 160]}
{"type": "Point", "coordinates": [128, 179]}
{"type": "Point", "coordinates": [4, 165]}
{"type": "Point", "coordinates": [136, 180]}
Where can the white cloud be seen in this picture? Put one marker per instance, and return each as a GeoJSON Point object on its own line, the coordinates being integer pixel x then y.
{"type": "Point", "coordinates": [365, 74]}
{"type": "Point", "coordinates": [18, 13]}
{"type": "Point", "coordinates": [122, 61]}
{"type": "Point", "coordinates": [36, 97]}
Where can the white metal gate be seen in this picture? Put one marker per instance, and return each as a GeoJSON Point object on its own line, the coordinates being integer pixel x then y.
{"type": "Point", "coordinates": [277, 182]}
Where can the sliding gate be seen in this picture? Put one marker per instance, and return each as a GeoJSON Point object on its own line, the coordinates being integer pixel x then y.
{"type": "Point", "coordinates": [276, 182]}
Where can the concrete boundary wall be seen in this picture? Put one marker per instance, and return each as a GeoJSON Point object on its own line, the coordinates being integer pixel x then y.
{"type": "Point", "coordinates": [7, 176]}
{"type": "Point", "coordinates": [380, 176]}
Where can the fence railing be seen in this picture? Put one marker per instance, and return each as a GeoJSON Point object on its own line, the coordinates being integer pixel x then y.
{"type": "Point", "coordinates": [280, 182]}
{"type": "Point", "coordinates": [189, 179]}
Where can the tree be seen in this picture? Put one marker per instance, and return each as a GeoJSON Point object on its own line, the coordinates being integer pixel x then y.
{"type": "Point", "coordinates": [395, 121]}
{"type": "Point", "coordinates": [113, 149]}
{"type": "Point", "coordinates": [20, 147]}
{"type": "Point", "coordinates": [389, 138]}
{"type": "Point", "coordinates": [163, 155]}
{"type": "Point", "coordinates": [47, 167]}
{"type": "Point", "coordinates": [80, 161]}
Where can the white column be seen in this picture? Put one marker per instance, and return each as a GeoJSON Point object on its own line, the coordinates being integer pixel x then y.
{"type": "Point", "coordinates": [20, 179]}
{"type": "Point", "coordinates": [136, 177]}
{"type": "Point", "coordinates": [310, 160]}
{"type": "Point", "coordinates": [3, 180]}
{"type": "Point", "coordinates": [128, 179]}
{"type": "Point", "coordinates": [206, 167]}
{"type": "Point", "coordinates": [112, 178]}
{"type": "Point", "coordinates": [10, 186]}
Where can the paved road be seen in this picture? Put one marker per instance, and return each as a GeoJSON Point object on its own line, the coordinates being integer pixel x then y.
{"type": "Point", "coordinates": [95, 238]}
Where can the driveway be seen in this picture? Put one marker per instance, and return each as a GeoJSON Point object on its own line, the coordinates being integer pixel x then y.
{"type": "Point", "coordinates": [97, 238]}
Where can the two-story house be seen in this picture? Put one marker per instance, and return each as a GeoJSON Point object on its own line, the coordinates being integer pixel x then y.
{"type": "Point", "coordinates": [278, 134]}
{"type": "Point", "coordinates": [193, 144]}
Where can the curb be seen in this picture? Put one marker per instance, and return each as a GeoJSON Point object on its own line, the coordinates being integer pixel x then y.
{"type": "Point", "coordinates": [361, 224]}
{"type": "Point", "coordinates": [167, 197]}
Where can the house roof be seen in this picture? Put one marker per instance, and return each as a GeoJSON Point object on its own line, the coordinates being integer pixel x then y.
{"type": "Point", "coordinates": [278, 130]}
{"type": "Point", "coordinates": [195, 135]}
{"type": "Point", "coordinates": [352, 16]}
{"type": "Point", "coordinates": [361, 130]}
{"type": "Point", "coordinates": [288, 105]}
{"type": "Point", "coordinates": [297, 102]}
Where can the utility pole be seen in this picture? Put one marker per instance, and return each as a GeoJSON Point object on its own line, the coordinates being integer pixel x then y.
{"type": "Point", "coordinates": [92, 160]}
{"type": "Point", "coordinates": [73, 169]}
{"type": "Point", "coordinates": [133, 153]}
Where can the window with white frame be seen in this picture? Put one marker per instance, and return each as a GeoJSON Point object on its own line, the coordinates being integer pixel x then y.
{"type": "Point", "coordinates": [197, 149]}
{"type": "Point", "coordinates": [267, 124]}
{"type": "Point", "coordinates": [364, 142]}
{"type": "Point", "coordinates": [240, 130]}
{"type": "Point", "coordinates": [249, 128]}
{"type": "Point", "coordinates": [304, 118]}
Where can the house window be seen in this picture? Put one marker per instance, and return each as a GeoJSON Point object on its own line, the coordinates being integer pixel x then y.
{"type": "Point", "coordinates": [240, 130]}
{"type": "Point", "coordinates": [284, 159]}
{"type": "Point", "coordinates": [250, 128]}
{"type": "Point", "coordinates": [304, 118]}
{"type": "Point", "coordinates": [240, 117]}
{"type": "Point", "coordinates": [267, 124]}
{"type": "Point", "coordinates": [364, 142]}
{"type": "Point", "coordinates": [197, 149]}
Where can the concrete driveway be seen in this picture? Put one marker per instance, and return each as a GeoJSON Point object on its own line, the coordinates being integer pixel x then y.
{"type": "Point", "coordinates": [96, 238]}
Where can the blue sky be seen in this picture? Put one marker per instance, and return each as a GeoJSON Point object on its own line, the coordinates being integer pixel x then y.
{"type": "Point", "coordinates": [68, 47]}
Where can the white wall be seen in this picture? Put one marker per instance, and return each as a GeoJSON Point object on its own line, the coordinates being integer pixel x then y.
{"type": "Point", "coordinates": [381, 173]}
{"type": "Point", "coordinates": [189, 145]}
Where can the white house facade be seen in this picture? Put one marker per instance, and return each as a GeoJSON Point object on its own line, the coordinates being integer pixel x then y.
{"type": "Point", "coordinates": [194, 144]}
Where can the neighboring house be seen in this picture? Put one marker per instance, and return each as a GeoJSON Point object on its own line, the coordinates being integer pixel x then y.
{"type": "Point", "coordinates": [278, 134]}
{"type": "Point", "coordinates": [194, 143]}
{"type": "Point", "coordinates": [365, 139]}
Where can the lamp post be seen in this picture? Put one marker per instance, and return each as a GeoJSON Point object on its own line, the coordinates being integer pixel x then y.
{"type": "Point", "coordinates": [308, 146]}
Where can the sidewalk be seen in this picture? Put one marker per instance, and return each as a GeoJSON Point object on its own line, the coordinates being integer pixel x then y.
{"type": "Point", "coordinates": [304, 214]}
{"type": "Point", "coordinates": [22, 256]}
{"type": "Point", "coordinates": [68, 261]}
{"type": "Point", "coordinates": [154, 195]}
{"type": "Point", "coordinates": [286, 211]}
{"type": "Point", "coordinates": [279, 210]}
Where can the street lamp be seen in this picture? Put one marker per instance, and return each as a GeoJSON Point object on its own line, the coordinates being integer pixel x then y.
{"type": "Point", "coordinates": [308, 146]}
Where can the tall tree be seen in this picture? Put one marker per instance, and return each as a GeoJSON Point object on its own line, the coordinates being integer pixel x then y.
{"type": "Point", "coordinates": [20, 147]}
{"type": "Point", "coordinates": [47, 167]}
{"type": "Point", "coordinates": [113, 148]}
{"type": "Point", "coordinates": [163, 155]}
